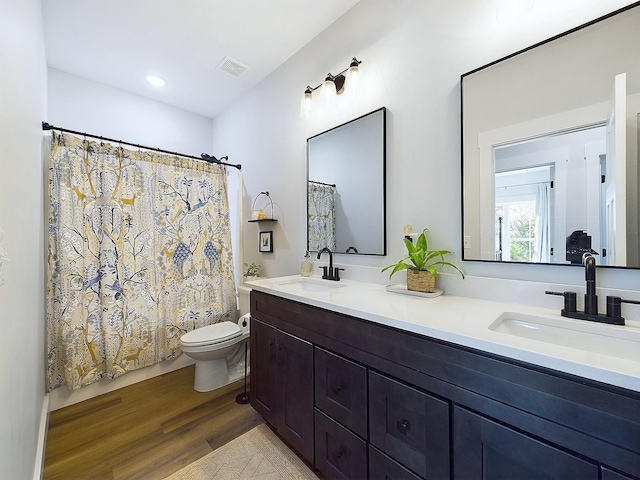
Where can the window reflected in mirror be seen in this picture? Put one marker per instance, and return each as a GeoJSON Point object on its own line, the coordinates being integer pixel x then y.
{"type": "Point", "coordinates": [550, 142]}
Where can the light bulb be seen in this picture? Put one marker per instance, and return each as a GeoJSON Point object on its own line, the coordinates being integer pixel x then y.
{"type": "Point", "coordinates": [353, 73]}
{"type": "Point", "coordinates": [328, 92]}
{"type": "Point", "coordinates": [305, 104]}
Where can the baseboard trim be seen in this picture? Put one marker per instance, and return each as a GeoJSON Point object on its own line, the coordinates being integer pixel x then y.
{"type": "Point", "coordinates": [38, 469]}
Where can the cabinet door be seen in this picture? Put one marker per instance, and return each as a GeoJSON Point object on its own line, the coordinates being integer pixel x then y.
{"type": "Point", "coordinates": [608, 474]}
{"type": "Point", "coordinates": [294, 417]}
{"type": "Point", "coordinates": [263, 369]}
{"type": "Point", "coordinates": [340, 454]}
{"type": "Point", "coordinates": [484, 449]}
{"type": "Point", "coordinates": [341, 390]}
{"type": "Point", "coordinates": [382, 467]}
{"type": "Point", "coordinates": [409, 426]}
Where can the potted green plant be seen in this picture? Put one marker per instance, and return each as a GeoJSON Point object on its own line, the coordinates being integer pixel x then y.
{"type": "Point", "coordinates": [251, 271]}
{"type": "Point", "coordinates": [422, 269]}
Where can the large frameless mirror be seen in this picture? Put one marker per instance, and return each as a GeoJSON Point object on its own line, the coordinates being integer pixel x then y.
{"type": "Point", "coordinates": [550, 149]}
{"type": "Point", "coordinates": [346, 207]}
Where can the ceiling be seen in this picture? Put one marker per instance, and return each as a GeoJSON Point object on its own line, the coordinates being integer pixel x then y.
{"type": "Point", "coordinates": [120, 42]}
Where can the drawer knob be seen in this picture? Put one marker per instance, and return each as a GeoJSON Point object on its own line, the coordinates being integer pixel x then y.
{"type": "Point", "coordinates": [337, 456]}
{"type": "Point", "coordinates": [336, 390]}
{"type": "Point", "coordinates": [402, 426]}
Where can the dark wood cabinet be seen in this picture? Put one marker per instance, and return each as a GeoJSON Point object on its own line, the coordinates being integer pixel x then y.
{"type": "Point", "coordinates": [282, 384]}
{"type": "Point", "coordinates": [486, 450]}
{"type": "Point", "coordinates": [381, 467]}
{"type": "Point", "coordinates": [340, 454]}
{"type": "Point", "coordinates": [409, 426]}
{"type": "Point", "coordinates": [262, 352]}
{"type": "Point", "coordinates": [392, 404]}
{"type": "Point", "coordinates": [341, 390]}
{"type": "Point", "coordinates": [608, 474]}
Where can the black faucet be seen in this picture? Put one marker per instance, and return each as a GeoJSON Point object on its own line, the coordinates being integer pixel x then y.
{"type": "Point", "coordinates": [329, 273]}
{"type": "Point", "coordinates": [590, 313]}
{"type": "Point", "coordinates": [590, 297]}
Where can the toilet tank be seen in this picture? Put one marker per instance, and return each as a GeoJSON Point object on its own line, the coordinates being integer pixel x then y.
{"type": "Point", "coordinates": [243, 299]}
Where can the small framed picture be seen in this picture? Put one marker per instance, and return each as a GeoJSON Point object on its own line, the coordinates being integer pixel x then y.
{"type": "Point", "coordinates": [266, 242]}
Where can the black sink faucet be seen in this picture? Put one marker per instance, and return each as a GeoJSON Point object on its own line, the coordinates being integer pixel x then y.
{"type": "Point", "coordinates": [590, 297]}
{"type": "Point", "coordinates": [590, 313]}
{"type": "Point", "coordinates": [329, 273]}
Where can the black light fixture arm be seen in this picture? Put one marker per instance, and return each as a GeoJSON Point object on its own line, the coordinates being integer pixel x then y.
{"type": "Point", "coordinates": [207, 158]}
{"type": "Point", "coordinates": [339, 78]}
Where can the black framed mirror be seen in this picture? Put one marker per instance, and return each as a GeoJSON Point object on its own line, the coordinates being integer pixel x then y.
{"type": "Point", "coordinates": [346, 187]}
{"type": "Point", "coordinates": [550, 149]}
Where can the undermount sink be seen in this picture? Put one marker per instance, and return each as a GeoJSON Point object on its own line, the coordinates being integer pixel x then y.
{"type": "Point", "coordinates": [310, 284]}
{"type": "Point", "coordinates": [615, 341]}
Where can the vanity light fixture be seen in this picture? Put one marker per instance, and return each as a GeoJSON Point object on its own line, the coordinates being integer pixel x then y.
{"type": "Point", "coordinates": [333, 85]}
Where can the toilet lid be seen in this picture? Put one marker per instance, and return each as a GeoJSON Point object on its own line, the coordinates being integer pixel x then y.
{"type": "Point", "coordinates": [216, 333]}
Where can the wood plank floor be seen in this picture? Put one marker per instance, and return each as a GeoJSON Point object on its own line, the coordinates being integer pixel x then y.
{"type": "Point", "coordinates": [144, 431]}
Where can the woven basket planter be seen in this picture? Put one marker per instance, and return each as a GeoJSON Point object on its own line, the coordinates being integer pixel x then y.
{"type": "Point", "coordinates": [420, 281]}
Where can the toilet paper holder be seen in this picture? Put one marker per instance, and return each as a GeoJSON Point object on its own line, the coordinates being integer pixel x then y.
{"type": "Point", "coordinates": [244, 397]}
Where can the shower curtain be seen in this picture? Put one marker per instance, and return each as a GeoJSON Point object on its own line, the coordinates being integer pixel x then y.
{"type": "Point", "coordinates": [321, 205]}
{"type": "Point", "coordinates": [139, 254]}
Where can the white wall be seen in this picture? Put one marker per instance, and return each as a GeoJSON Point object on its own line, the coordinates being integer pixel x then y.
{"type": "Point", "coordinates": [413, 54]}
{"type": "Point", "coordinates": [86, 106]}
{"type": "Point", "coordinates": [22, 108]}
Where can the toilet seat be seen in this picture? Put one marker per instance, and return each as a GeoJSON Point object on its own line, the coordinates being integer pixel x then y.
{"type": "Point", "coordinates": [211, 334]}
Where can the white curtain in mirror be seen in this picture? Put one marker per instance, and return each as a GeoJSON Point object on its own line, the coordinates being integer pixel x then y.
{"type": "Point", "coordinates": [541, 244]}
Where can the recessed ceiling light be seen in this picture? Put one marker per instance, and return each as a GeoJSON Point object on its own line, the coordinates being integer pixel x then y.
{"type": "Point", "coordinates": [156, 81]}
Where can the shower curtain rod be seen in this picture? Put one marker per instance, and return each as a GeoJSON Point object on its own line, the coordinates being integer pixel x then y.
{"type": "Point", "coordinates": [550, 182]}
{"type": "Point", "coordinates": [205, 157]}
{"type": "Point", "coordinates": [322, 183]}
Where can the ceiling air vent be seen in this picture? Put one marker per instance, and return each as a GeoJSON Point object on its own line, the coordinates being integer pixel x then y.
{"type": "Point", "coordinates": [230, 66]}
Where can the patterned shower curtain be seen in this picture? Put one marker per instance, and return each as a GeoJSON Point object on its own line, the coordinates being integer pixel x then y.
{"type": "Point", "coordinates": [321, 206]}
{"type": "Point", "coordinates": [139, 254]}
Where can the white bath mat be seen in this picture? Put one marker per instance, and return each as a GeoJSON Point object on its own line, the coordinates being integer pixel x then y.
{"type": "Point", "coordinates": [258, 454]}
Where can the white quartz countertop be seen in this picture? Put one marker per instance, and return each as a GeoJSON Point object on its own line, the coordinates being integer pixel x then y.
{"type": "Point", "coordinates": [465, 321]}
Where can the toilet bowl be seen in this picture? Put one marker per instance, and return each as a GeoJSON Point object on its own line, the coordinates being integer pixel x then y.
{"type": "Point", "coordinates": [210, 347]}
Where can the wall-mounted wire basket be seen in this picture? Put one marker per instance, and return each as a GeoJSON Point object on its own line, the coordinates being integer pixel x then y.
{"type": "Point", "coordinates": [258, 215]}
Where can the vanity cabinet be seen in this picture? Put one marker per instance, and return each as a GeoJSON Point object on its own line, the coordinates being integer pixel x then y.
{"type": "Point", "coordinates": [340, 416]}
{"type": "Point", "coordinates": [387, 403]}
{"type": "Point", "coordinates": [341, 390]}
{"type": "Point", "coordinates": [409, 426]}
{"type": "Point", "coordinates": [282, 384]}
{"type": "Point", "coordinates": [340, 453]}
{"type": "Point", "coordinates": [485, 449]}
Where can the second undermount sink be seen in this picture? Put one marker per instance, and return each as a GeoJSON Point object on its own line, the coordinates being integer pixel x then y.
{"type": "Point", "coordinates": [310, 284]}
{"type": "Point", "coordinates": [615, 341]}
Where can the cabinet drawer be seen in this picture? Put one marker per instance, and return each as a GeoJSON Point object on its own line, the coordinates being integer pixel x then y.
{"type": "Point", "coordinates": [611, 475]}
{"type": "Point", "coordinates": [341, 390]}
{"type": "Point", "coordinates": [409, 426]}
{"type": "Point", "coordinates": [384, 468]}
{"type": "Point", "coordinates": [340, 454]}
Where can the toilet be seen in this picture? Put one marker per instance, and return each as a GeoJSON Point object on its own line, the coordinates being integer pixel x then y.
{"type": "Point", "coordinates": [213, 346]}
